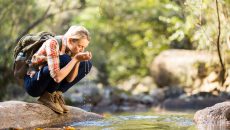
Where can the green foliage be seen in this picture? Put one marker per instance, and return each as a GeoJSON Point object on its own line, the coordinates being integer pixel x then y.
{"type": "Point", "coordinates": [126, 34]}
{"type": "Point", "coordinates": [202, 21]}
{"type": "Point", "coordinates": [13, 19]}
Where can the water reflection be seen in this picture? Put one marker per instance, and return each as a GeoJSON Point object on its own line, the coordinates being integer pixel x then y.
{"type": "Point", "coordinates": [143, 121]}
{"type": "Point", "coordinates": [146, 121]}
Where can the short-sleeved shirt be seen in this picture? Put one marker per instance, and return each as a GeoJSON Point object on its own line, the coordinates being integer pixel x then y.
{"type": "Point", "coordinates": [48, 52]}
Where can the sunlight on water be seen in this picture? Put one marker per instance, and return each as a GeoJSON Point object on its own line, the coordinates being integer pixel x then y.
{"type": "Point", "coordinates": [140, 121]}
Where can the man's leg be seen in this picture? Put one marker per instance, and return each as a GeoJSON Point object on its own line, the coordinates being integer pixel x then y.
{"type": "Point", "coordinates": [84, 69]}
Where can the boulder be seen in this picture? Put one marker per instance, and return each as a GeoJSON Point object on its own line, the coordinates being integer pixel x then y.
{"type": "Point", "coordinates": [190, 103]}
{"type": "Point", "coordinates": [219, 114]}
{"type": "Point", "coordinates": [137, 85]}
{"type": "Point", "coordinates": [18, 114]}
{"type": "Point", "coordinates": [158, 94]}
{"type": "Point", "coordinates": [84, 92]}
{"type": "Point", "coordinates": [173, 92]}
{"type": "Point", "coordinates": [180, 67]}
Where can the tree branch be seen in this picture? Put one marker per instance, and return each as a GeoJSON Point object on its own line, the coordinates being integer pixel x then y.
{"type": "Point", "coordinates": [222, 72]}
{"type": "Point", "coordinates": [41, 19]}
{"type": "Point", "coordinates": [6, 11]}
{"type": "Point", "coordinates": [35, 23]}
{"type": "Point", "coordinates": [44, 17]}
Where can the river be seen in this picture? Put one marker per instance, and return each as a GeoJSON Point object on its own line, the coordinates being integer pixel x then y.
{"type": "Point", "coordinates": [140, 121]}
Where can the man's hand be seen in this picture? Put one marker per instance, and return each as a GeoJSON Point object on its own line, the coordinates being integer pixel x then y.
{"type": "Point", "coordinates": [82, 56]}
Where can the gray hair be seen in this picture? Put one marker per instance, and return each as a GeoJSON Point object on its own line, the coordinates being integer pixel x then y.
{"type": "Point", "coordinates": [78, 32]}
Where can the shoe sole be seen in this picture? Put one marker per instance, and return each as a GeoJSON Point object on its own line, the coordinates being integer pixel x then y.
{"type": "Point", "coordinates": [59, 112]}
{"type": "Point", "coordinates": [65, 111]}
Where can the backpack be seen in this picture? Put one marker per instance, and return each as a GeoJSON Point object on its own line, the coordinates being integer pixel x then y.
{"type": "Point", "coordinates": [27, 46]}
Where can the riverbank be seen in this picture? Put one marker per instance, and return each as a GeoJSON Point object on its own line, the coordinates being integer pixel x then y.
{"type": "Point", "coordinates": [92, 97]}
{"type": "Point", "coordinates": [113, 100]}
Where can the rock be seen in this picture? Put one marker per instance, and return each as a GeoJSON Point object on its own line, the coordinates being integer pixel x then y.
{"type": "Point", "coordinates": [142, 99]}
{"type": "Point", "coordinates": [84, 92]}
{"type": "Point", "coordinates": [178, 67]}
{"type": "Point", "coordinates": [225, 95]}
{"type": "Point", "coordinates": [209, 87]}
{"type": "Point", "coordinates": [140, 88]}
{"type": "Point", "coordinates": [173, 92]}
{"type": "Point", "coordinates": [133, 108]}
{"type": "Point", "coordinates": [87, 107]}
{"type": "Point", "coordinates": [108, 108]}
{"type": "Point", "coordinates": [212, 77]}
{"type": "Point", "coordinates": [76, 99]}
{"type": "Point", "coordinates": [17, 114]}
{"type": "Point", "coordinates": [219, 114]}
{"type": "Point", "coordinates": [190, 103]}
{"type": "Point", "coordinates": [90, 92]}
{"type": "Point", "coordinates": [148, 100]}
{"type": "Point", "coordinates": [227, 80]}
{"type": "Point", "coordinates": [104, 103]}
{"type": "Point", "coordinates": [106, 99]}
{"type": "Point", "coordinates": [124, 97]}
{"type": "Point", "coordinates": [137, 85]}
{"type": "Point", "coordinates": [144, 86]}
{"type": "Point", "coordinates": [107, 92]}
{"type": "Point", "coordinates": [203, 95]}
{"type": "Point", "coordinates": [14, 91]}
{"type": "Point", "coordinates": [137, 98]}
{"type": "Point", "coordinates": [117, 96]}
{"type": "Point", "coordinates": [129, 84]}
{"type": "Point", "coordinates": [157, 94]}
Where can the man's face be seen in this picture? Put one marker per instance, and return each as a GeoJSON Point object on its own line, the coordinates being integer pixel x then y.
{"type": "Point", "coordinates": [77, 45]}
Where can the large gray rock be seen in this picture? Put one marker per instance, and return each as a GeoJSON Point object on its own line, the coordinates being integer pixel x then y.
{"type": "Point", "coordinates": [218, 114]}
{"type": "Point", "coordinates": [179, 67]}
{"type": "Point", "coordinates": [19, 114]}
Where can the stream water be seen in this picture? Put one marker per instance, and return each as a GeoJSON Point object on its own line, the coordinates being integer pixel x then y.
{"type": "Point", "coordinates": [140, 121]}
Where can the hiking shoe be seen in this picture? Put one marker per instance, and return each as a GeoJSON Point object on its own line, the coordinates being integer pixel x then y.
{"type": "Point", "coordinates": [51, 101]}
{"type": "Point", "coordinates": [61, 101]}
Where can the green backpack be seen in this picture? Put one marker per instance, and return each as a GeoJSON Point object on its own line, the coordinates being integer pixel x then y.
{"type": "Point", "coordinates": [25, 49]}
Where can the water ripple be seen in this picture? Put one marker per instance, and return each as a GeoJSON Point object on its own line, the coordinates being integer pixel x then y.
{"type": "Point", "coordinates": [145, 122]}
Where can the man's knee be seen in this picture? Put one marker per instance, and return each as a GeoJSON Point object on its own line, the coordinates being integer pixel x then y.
{"type": "Point", "coordinates": [64, 60]}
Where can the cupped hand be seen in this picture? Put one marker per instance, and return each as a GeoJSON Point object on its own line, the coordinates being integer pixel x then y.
{"type": "Point", "coordinates": [82, 56]}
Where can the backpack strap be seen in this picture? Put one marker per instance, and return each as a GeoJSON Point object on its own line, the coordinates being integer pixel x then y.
{"type": "Point", "coordinates": [59, 40]}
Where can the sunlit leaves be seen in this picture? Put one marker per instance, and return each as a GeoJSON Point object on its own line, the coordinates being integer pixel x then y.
{"type": "Point", "coordinates": [128, 34]}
